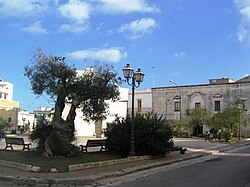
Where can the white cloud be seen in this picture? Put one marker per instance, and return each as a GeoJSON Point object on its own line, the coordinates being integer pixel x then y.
{"type": "Point", "coordinates": [246, 75]}
{"type": "Point", "coordinates": [243, 7]}
{"type": "Point", "coordinates": [17, 8]}
{"type": "Point", "coordinates": [75, 10]}
{"type": "Point", "coordinates": [179, 54]}
{"type": "Point", "coordinates": [126, 6]}
{"type": "Point", "coordinates": [78, 12]}
{"type": "Point", "coordinates": [107, 55]}
{"type": "Point", "coordinates": [176, 74]}
{"type": "Point", "coordinates": [242, 34]}
{"type": "Point", "coordinates": [75, 27]}
{"type": "Point", "coordinates": [138, 28]}
{"type": "Point", "coordinates": [35, 28]}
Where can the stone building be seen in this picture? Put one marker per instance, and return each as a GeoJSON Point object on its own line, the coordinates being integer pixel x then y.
{"type": "Point", "coordinates": [175, 103]}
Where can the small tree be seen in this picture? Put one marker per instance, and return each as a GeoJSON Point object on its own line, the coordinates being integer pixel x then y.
{"type": "Point", "coordinates": [179, 124]}
{"type": "Point", "coordinates": [3, 125]}
{"type": "Point", "coordinates": [227, 134]}
{"type": "Point", "coordinates": [41, 132]}
{"type": "Point", "coordinates": [197, 118]}
{"type": "Point", "coordinates": [228, 118]}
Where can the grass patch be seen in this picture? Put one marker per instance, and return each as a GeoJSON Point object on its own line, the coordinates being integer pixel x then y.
{"type": "Point", "coordinates": [60, 163]}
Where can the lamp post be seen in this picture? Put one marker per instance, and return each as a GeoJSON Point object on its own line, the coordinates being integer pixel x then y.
{"type": "Point", "coordinates": [135, 77]}
{"type": "Point", "coordinates": [239, 107]}
{"type": "Point", "coordinates": [179, 93]}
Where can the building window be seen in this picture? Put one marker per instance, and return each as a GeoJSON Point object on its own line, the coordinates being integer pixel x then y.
{"type": "Point", "coordinates": [197, 105]}
{"type": "Point", "coordinates": [244, 104]}
{"type": "Point", "coordinates": [139, 103]}
{"type": "Point", "coordinates": [176, 106]}
{"type": "Point", "coordinates": [217, 106]}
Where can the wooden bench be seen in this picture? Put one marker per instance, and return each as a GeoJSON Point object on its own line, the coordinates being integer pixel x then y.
{"type": "Point", "coordinates": [94, 143]}
{"type": "Point", "coordinates": [16, 141]}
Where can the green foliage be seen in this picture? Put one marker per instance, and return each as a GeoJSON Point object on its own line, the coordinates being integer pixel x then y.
{"type": "Point", "coordinates": [3, 125]}
{"type": "Point", "coordinates": [177, 126]}
{"type": "Point", "coordinates": [228, 118]}
{"type": "Point", "coordinates": [101, 87]}
{"type": "Point", "coordinates": [152, 135]}
{"type": "Point", "coordinates": [199, 117]}
{"type": "Point", "coordinates": [49, 75]}
{"type": "Point", "coordinates": [41, 132]}
{"type": "Point", "coordinates": [227, 135]}
{"type": "Point", "coordinates": [53, 77]}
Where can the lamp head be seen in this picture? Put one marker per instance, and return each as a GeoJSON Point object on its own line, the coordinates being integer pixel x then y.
{"type": "Point", "coordinates": [139, 75]}
{"type": "Point", "coordinates": [128, 71]}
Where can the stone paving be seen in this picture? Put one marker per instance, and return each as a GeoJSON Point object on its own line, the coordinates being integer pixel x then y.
{"type": "Point", "coordinates": [197, 143]}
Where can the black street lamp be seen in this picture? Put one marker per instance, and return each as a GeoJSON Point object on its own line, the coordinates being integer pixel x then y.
{"type": "Point", "coordinates": [59, 58]}
{"type": "Point", "coordinates": [240, 108]}
{"type": "Point", "coordinates": [137, 76]}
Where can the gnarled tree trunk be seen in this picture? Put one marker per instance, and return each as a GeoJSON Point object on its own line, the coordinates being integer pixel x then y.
{"type": "Point", "coordinates": [60, 140]}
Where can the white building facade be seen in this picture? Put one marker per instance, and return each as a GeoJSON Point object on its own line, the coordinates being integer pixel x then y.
{"type": "Point", "coordinates": [26, 121]}
{"type": "Point", "coordinates": [142, 101]}
{"type": "Point", "coordinates": [6, 90]}
{"type": "Point", "coordinates": [92, 128]}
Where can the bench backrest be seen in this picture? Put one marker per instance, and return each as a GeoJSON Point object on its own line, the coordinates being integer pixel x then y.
{"type": "Point", "coordinates": [96, 142]}
{"type": "Point", "coordinates": [17, 141]}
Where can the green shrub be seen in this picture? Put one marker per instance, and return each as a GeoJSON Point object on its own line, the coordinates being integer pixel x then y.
{"type": "Point", "coordinates": [41, 132]}
{"type": "Point", "coordinates": [152, 135]}
{"type": "Point", "coordinates": [227, 135]}
{"type": "Point", "coordinates": [3, 125]}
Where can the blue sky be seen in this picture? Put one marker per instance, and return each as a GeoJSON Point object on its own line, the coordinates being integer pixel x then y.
{"type": "Point", "coordinates": [187, 41]}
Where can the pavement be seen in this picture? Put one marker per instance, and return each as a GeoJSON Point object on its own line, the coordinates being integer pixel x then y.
{"type": "Point", "coordinates": [196, 148]}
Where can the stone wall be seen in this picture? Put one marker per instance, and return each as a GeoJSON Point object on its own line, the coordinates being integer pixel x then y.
{"type": "Point", "coordinates": [163, 98]}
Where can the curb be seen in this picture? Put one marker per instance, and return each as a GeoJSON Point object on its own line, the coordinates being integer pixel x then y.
{"type": "Point", "coordinates": [77, 167]}
{"type": "Point", "coordinates": [24, 167]}
{"type": "Point", "coordinates": [242, 144]}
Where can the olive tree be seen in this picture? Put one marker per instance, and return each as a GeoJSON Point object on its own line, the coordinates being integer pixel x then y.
{"type": "Point", "coordinates": [52, 76]}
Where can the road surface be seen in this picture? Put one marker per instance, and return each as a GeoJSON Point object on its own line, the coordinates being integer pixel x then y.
{"type": "Point", "coordinates": [223, 169]}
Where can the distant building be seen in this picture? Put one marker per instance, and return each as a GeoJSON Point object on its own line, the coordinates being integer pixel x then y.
{"type": "Point", "coordinates": [8, 107]}
{"type": "Point", "coordinates": [6, 90]}
{"type": "Point", "coordinates": [175, 103]}
{"type": "Point", "coordinates": [142, 101]}
{"type": "Point", "coordinates": [43, 112]}
{"type": "Point", "coordinates": [26, 121]}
